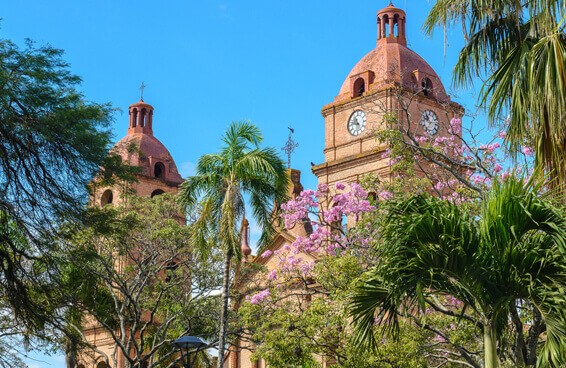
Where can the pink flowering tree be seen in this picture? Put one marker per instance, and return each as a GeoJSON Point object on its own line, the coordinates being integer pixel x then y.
{"type": "Point", "coordinates": [458, 162]}
{"type": "Point", "coordinates": [299, 310]}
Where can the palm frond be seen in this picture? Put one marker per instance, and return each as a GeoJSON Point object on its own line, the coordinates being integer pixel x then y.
{"type": "Point", "coordinates": [512, 250]}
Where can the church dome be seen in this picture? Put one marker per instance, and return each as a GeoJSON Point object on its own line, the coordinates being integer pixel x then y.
{"type": "Point", "coordinates": [391, 63]}
{"type": "Point", "coordinates": [140, 148]}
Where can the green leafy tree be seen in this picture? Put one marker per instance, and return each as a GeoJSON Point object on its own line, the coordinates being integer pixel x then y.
{"type": "Point", "coordinates": [133, 271]}
{"type": "Point", "coordinates": [304, 322]}
{"type": "Point", "coordinates": [221, 185]}
{"type": "Point", "coordinates": [509, 256]}
{"type": "Point", "coordinates": [519, 49]}
{"type": "Point", "coordinates": [52, 143]}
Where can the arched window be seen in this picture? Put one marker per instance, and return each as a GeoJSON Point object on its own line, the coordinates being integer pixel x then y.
{"type": "Point", "coordinates": [107, 197]}
{"type": "Point", "coordinates": [134, 118]}
{"type": "Point", "coordinates": [385, 25]}
{"type": "Point", "coordinates": [143, 117]}
{"type": "Point", "coordinates": [156, 192]}
{"type": "Point", "coordinates": [159, 170]}
{"type": "Point", "coordinates": [427, 87]}
{"type": "Point", "coordinates": [396, 25]}
{"type": "Point", "coordinates": [359, 87]}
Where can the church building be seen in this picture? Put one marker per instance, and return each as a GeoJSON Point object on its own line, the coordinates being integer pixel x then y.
{"type": "Point", "coordinates": [392, 82]}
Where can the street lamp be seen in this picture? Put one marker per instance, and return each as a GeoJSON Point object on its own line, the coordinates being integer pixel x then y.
{"type": "Point", "coordinates": [188, 345]}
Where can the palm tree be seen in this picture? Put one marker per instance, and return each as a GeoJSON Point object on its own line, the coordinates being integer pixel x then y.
{"type": "Point", "coordinates": [220, 187]}
{"type": "Point", "coordinates": [513, 252]}
{"type": "Point", "coordinates": [520, 48]}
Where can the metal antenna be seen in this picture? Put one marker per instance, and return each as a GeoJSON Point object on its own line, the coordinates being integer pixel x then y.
{"type": "Point", "coordinates": [290, 146]}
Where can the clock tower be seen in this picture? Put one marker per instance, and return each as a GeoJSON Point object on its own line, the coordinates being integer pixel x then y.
{"type": "Point", "coordinates": [393, 82]}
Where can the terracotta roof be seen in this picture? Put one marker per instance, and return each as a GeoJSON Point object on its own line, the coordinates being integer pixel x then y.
{"type": "Point", "coordinates": [138, 148]}
{"type": "Point", "coordinates": [393, 63]}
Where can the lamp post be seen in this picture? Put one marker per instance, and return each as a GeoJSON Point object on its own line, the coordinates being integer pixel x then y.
{"type": "Point", "coordinates": [188, 345]}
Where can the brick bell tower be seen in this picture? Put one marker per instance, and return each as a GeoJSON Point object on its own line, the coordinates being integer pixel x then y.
{"type": "Point", "coordinates": [158, 172]}
{"type": "Point", "coordinates": [391, 79]}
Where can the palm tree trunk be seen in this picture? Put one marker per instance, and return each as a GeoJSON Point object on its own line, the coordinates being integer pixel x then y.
{"type": "Point", "coordinates": [224, 313]}
{"type": "Point", "coordinates": [490, 347]}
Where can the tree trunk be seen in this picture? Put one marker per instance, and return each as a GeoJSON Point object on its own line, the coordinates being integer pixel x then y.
{"type": "Point", "coordinates": [71, 352]}
{"type": "Point", "coordinates": [224, 313]}
{"type": "Point", "coordinates": [490, 347]}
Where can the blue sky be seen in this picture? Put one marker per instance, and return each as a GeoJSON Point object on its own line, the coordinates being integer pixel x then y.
{"type": "Point", "coordinates": [207, 63]}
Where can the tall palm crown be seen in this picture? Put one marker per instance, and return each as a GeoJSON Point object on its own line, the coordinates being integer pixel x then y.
{"type": "Point", "coordinates": [513, 251]}
{"type": "Point", "coordinates": [223, 179]}
{"type": "Point", "coordinates": [222, 182]}
{"type": "Point", "coordinates": [520, 48]}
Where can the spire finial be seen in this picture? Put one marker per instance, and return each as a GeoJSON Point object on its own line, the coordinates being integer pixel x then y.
{"type": "Point", "coordinates": [290, 146]}
{"type": "Point", "coordinates": [142, 87]}
{"type": "Point", "coordinates": [245, 246]}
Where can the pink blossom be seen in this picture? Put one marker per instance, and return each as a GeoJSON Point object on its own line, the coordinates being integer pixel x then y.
{"type": "Point", "coordinates": [323, 188]}
{"type": "Point", "coordinates": [386, 195]}
{"type": "Point", "coordinates": [455, 126]}
{"type": "Point", "coordinates": [502, 134]}
{"type": "Point", "coordinates": [340, 186]}
{"type": "Point", "coordinates": [497, 168]}
{"type": "Point", "coordinates": [439, 338]}
{"type": "Point", "coordinates": [527, 151]}
{"type": "Point", "coordinates": [439, 186]}
{"type": "Point", "coordinates": [421, 139]}
{"type": "Point", "coordinates": [266, 254]}
{"type": "Point", "coordinates": [259, 297]}
{"type": "Point", "coordinates": [477, 179]}
{"type": "Point", "coordinates": [272, 275]}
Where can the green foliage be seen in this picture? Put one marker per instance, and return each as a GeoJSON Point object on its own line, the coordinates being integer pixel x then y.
{"type": "Point", "coordinates": [301, 326]}
{"type": "Point", "coordinates": [132, 269]}
{"type": "Point", "coordinates": [518, 48]}
{"type": "Point", "coordinates": [52, 142]}
{"type": "Point", "coordinates": [512, 252]}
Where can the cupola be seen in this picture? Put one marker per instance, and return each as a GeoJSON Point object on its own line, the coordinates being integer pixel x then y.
{"type": "Point", "coordinates": [141, 118]}
{"type": "Point", "coordinates": [391, 63]}
{"type": "Point", "coordinates": [391, 25]}
{"type": "Point", "coordinates": [140, 148]}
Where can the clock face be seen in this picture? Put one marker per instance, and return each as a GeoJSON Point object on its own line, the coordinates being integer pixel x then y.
{"type": "Point", "coordinates": [430, 122]}
{"type": "Point", "coordinates": [357, 122]}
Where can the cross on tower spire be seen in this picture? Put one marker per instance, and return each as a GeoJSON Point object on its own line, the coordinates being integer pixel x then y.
{"type": "Point", "coordinates": [142, 87]}
{"type": "Point", "coordinates": [290, 146]}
